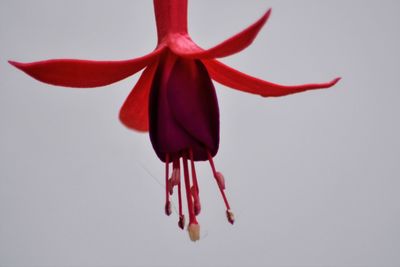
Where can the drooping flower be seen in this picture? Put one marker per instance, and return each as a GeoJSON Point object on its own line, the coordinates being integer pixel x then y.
{"type": "Point", "coordinates": [175, 98]}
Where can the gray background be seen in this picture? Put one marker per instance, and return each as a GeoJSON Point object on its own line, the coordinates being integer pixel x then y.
{"type": "Point", "coordinates": [313, 178]}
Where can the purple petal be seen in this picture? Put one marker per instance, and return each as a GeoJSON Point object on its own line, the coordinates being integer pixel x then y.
{"type": "Point", "coordinates": [183, 109]}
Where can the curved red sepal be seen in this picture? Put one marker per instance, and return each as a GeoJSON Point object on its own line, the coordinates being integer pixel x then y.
{"type": "Point", "coordinates": [134, 113]}
{"type": "Point", "coordinates": [243, 82]}
{"type": "Point", "coordinates": [84, 73]}
{"type": "Point", "coordinates": [184, 46]}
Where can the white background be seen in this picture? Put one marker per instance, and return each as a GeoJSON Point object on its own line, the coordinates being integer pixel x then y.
{"type": "Point", "coordinates": [313, 178]}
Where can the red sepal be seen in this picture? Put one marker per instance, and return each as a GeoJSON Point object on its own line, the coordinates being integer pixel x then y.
{"type": "Point", "coordinates": [243, 82]}
{"type": "Point", "coordinates": [84, 73]}
{"type": "Point", "coordinates": [134, 113]}
{"type": "Point", "coordinates": [182, 45]}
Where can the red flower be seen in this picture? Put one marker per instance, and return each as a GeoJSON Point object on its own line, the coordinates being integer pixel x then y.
{"type": "Point", "coordinates": [174, 98]}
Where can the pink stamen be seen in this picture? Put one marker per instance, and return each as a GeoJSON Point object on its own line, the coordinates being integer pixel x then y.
{"type": "Point", "coordinates": [167, 202]}
{"type": "Point", "coordinates": [221, 185]}
{"type": "Point", "coordinates": [181, 222]}
{"type": "Point", "coordinates": [195, 188]}
{"type": "Point", "coordinates": [192, 217]}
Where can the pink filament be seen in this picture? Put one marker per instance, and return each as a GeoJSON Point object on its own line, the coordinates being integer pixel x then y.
{"type": "Point", "coordinates": [192, 216]}
{"type": "Point", "coordinates": [216, 179]}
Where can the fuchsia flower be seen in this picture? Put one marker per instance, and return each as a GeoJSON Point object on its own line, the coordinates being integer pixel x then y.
{"type": "Point", "coordinates": [174, 99]}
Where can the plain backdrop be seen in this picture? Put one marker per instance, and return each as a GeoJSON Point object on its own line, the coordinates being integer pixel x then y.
{"type": "Point", "coordinates": [313, 178]}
